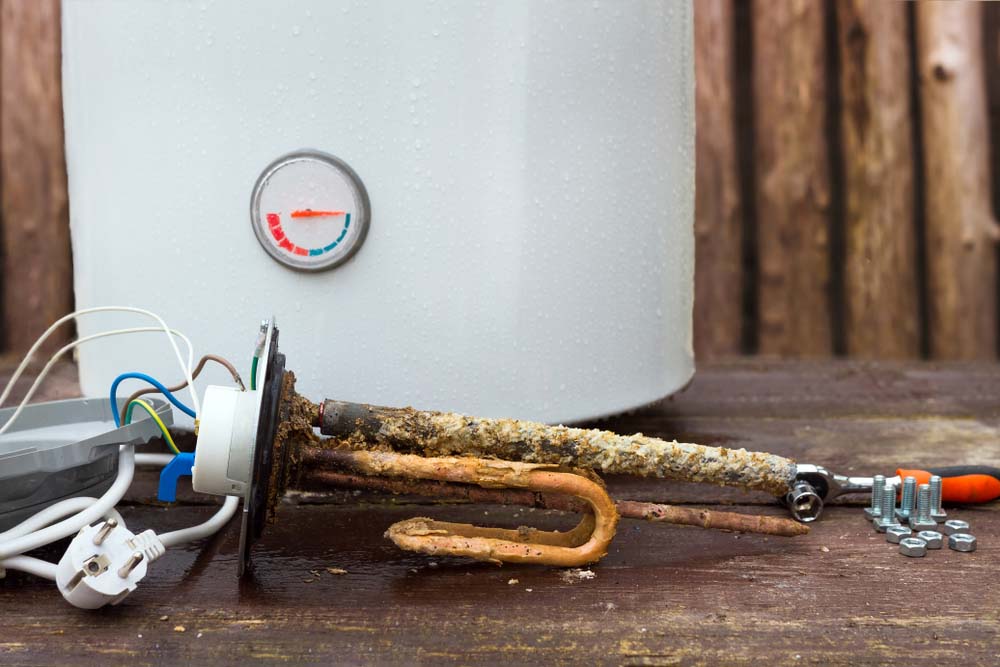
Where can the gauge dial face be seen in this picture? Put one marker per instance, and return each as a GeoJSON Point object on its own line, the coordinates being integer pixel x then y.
{"type": "Point", "coordinates": [310, 211]}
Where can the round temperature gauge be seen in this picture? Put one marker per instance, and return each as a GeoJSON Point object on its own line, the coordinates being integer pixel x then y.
{"type": "Point", "coordinates": [310, 211]}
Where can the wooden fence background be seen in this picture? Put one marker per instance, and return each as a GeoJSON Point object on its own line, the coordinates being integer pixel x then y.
{"type": "Point", "coordinates": [845, 195]}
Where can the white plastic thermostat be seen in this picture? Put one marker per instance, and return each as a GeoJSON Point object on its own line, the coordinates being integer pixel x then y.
{"type": "Point", "coordinates": [226, 438]}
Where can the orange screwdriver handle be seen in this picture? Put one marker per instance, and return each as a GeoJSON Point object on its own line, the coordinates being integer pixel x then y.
{"type": "Point", "coordinates": [961, 484]}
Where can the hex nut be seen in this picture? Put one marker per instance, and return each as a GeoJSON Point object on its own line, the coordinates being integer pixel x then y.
{"type": "Point", "coordinates": [952, 526]}
{"type": "Point", "coordinates": [913, 547]}
{"type": "Point", "coordinates": [895, 533]}
{"type": "Point", "coordinates": [934, 539]}
{"type": "Point", "coordinates": [962, 542]}
{"type": "Point", "coordinates": [917, 523]}
{"type": "Point", "coordinates": [883, 523]}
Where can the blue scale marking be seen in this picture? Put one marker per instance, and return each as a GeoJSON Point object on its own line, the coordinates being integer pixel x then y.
{"type": "Point", "coordinates": [343, 233]}
{"type": "Point", "coordinates": [313, 252]}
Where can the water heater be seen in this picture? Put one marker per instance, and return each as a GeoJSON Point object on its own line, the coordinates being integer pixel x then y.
{"type": "Point", "coordinates": [484, 207]}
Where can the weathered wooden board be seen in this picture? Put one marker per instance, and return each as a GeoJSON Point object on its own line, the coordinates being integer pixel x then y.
{"type": "Point", "coordinates": [37, 284]}
{"type": "Point", "coordinates": [961, 230]}
{"type": "Point", "coordinates": [664, 595]}
{"type": "Point", "coordinates": [881, 291]}
{"type": "Point", "coordinates": [792, 178]}
{"type": "Point", "coordinates": [718, 225]}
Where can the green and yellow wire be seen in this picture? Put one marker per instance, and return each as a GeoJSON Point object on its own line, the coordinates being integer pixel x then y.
{"type": "Point", "coordinates": [159, 422]}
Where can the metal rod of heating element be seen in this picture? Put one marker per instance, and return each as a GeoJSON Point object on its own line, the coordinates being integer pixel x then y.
{"type": "Point", "coordinates": [447, 434]}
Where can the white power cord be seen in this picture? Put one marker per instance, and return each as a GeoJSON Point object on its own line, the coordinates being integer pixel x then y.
{"type": "Point", "coordinates": [51, 513]}
{"type": "Point", "coordinates": [104, 562]}
{"type": "Point", "coordinates": [35, 566]}
{"type": "Point", "coordinates": [158, 460]}
{"type": "Point", "coordinates": [70, 525]}
{"type": "Point", "coordinates": [84, 576]}
{"type": "Point", "coordinates": [210, 527]}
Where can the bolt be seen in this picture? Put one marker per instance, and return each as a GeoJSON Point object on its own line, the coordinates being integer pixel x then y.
{"type": "Point", "coordinates": [105, 530]}
{"type": "Point", "coordinates": [888, 517]}
{"type": "Point", "coordinates": [130, 564]}
{"type": "Point", "coordinates": [937, 512]}
{"type": "Point", "coordinates": [962, 542]}
{"type": "Point", "coordinates": [906, 502]}
{"type": "Point", "coordinates": [878, 486]}
{"type": "Point", "coordinates": [923, 520]}
{"type": "Point", "coordinates": [952, 526]}
{"type": "Point", "coordinates": [895, 533]}
{"type": "Point", "coordinates": [913, 547]}
{"type": "Point", "coordinates": [934, 539]}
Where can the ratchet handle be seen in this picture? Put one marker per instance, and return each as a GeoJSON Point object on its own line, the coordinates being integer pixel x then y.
{"type": "Point", "coordinates": [961, 484]}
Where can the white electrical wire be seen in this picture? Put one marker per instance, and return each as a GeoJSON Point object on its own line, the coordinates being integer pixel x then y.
{"type": "Point", "coordinates": [66, 348]}
{"type": "Point", "coordinates": [52, 513]}
{"type": "Point", "coordinates": [70, 525]}
{"type": "Point", "coordinates": [158, 460]}
{"type": "Point", "coordinates": [186, 369]}
{"type": "Point", "coordinates": [35, 566]}
{"type": "Point", "coordinates": [218, 520]}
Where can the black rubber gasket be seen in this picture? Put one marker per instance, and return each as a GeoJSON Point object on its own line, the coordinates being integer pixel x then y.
{"type": "Point", "coordinates": [263, 460]}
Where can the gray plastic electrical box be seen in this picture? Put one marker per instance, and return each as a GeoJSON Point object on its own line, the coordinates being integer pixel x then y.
{"type": "Point", "coordinates": [62, 449]}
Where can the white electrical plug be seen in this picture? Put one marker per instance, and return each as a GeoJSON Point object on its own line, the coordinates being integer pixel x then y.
{"type": "Point", "coordinates": [104, 563]}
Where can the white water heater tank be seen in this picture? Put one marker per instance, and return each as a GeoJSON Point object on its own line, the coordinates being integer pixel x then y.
{"type": "Point", "coordinates": [474, 206]}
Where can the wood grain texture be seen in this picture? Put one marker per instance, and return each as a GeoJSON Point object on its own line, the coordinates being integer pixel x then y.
{"type": "Point", "coordinates": [665, 595]}
{"type": "Point", "coordinates": [961, 231]}
{"type": "Point", "coordinates": [792, 176]}
{"type": "Point", "coordinates": [881, 289]}
{"type": "Point", "coordinates": [718, 303]}
{"type": "Point", "coordinates": [37, 265]}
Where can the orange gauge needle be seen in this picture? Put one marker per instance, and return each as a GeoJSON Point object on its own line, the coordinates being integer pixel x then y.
{"type": "Point", "coordinates": [309, 213]}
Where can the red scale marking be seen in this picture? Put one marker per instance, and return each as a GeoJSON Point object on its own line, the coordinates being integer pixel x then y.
{"type": "Point", "coordinates": [274, 222]}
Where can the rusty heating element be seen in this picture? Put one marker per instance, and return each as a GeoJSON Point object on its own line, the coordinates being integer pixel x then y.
{"type": "Point", "coordinates": [428, 433]}
{"type": "Point", "coordinates": [445, 455]}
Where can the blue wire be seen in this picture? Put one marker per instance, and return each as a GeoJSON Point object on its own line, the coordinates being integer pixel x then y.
{"type": "Point", "coordinates": [146, 378]}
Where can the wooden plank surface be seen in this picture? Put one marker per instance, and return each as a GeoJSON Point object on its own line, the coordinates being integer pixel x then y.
{"type": "Point", "coordinates": [882, 317]}
{"type": "Point", "coordinates": [792, 178]}
{"type": "Point", "coordinates": [664, 595]}
{"type": "Point", "coordinates": [718, 302]}
{"type": "Point", "coordinates": [37, 266]}
{"type": "Point", "coordinates": [961, 232]}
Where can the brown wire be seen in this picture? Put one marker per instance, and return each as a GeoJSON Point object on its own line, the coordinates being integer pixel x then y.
{"type": "Point", "coordinates": [197, 370]}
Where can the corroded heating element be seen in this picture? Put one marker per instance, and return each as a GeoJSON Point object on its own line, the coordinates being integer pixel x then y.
{"type": "Point", "coordinates": [586, 543]}
{"type": "Point", "coordinates": [511, 462]}
{"type": "Point", "coordinates": [445, 434]}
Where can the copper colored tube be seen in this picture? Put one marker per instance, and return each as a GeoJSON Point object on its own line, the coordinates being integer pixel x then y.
{"type": "Point", "coordinates": [628, 509]}
{"type": "Point", "coordinates": [586, 543]}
